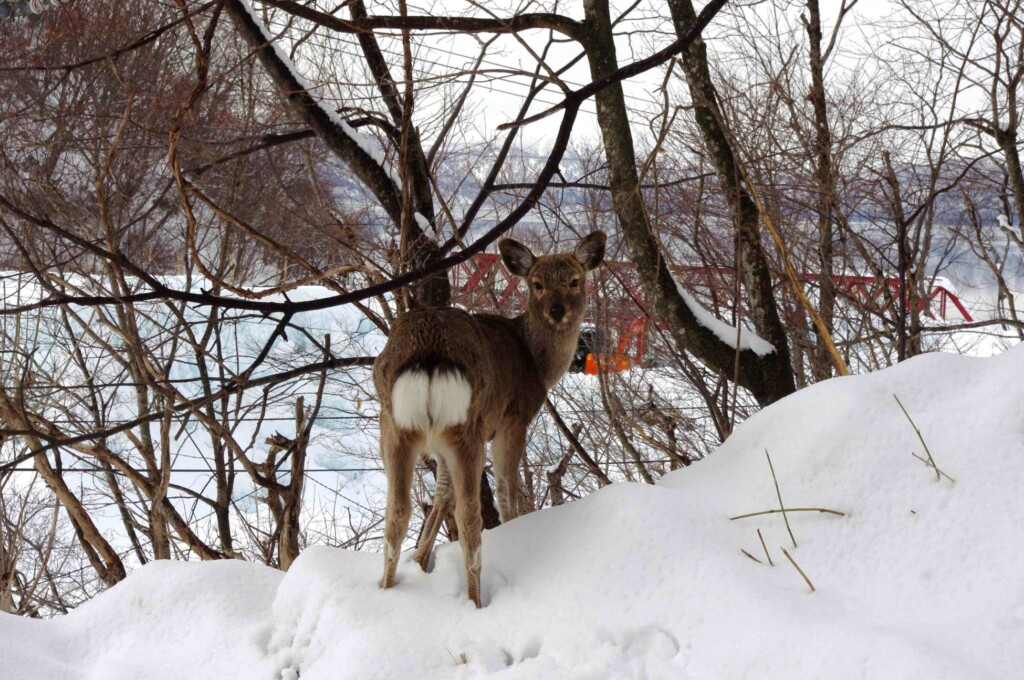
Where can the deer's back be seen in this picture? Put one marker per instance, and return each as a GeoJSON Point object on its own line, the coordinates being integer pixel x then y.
{"type": "Point", "coordinates": [489, 350]}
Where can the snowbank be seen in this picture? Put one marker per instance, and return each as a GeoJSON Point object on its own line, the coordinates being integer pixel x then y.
{"type": "Point", "coordinates": [920, 578]}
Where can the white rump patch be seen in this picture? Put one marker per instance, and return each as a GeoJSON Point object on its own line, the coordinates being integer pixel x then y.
{"type": "Point", "coordinates": [409, 400]}
{"type": "Point", "coordinates": [449, 398]}
{"type": "Point", "coordinates": [423, 402]}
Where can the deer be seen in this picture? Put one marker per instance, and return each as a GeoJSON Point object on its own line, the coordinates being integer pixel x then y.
{"type": "Point", "coordinates": [449, 381]}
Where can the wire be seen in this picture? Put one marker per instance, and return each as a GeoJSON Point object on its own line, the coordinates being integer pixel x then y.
{"type": "Point", "coordinates": [421, 468]}
{"type": "Point", "coordinates": [283, 419]}
{"type": "Point", "coordinates": [187, 470]}
{"type": "Point", "coordinates": [148, 542]}
{"type": "Point", "coordinates": [86, 470]}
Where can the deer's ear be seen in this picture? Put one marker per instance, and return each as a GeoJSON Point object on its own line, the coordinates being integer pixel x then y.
{"type": "Point", "coordinates": [516, 256]}
{"type": "Point", "coordinates": [590, 251]}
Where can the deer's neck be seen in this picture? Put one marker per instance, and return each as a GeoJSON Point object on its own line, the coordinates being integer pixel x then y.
{"type": "Point", "coordinates": [552, 349]}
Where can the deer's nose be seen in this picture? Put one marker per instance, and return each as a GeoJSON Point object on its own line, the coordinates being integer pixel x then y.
{"type": "Point", "coordinates": [557, 311]}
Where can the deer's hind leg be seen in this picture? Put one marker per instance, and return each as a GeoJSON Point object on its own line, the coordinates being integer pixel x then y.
{"type": "Point", "coordinates": [432, 524]}
{"type": "Point", "coordinates": [400, 449]}
{"type": "Point", "coordinates": [466, 465]}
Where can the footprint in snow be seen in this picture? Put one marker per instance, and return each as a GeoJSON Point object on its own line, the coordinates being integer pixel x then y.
{"type": "Point", "coordinates": [488, 656]}
{"type": "Point", "coordinates": [650, 642]}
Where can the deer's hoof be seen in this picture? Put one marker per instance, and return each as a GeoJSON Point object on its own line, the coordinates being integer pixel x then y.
{"type": "Point", "coordinates": [424, 561]}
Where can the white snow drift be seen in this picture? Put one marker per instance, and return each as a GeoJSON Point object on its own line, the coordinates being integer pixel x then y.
{"type": "Point", "coordinates": [921, 578]}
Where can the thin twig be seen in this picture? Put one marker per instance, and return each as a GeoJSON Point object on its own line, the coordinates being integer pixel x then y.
{"type": "Point", "coordinates": [770, 563]}
{"type": "Point", "coordinates": [772, 512]}
{"type": "Point", "coordinates": [591, 464]}
{"type": "Point", "coordinates": [778, 493]}
{"type": "Point", "coordinates": [797, 566]}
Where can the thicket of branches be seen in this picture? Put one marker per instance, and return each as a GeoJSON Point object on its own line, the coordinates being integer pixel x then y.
{"type": "Point", "coordinates": [212, 211]}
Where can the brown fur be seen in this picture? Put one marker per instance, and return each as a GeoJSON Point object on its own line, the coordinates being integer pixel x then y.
{"type": "Point", "coordinates": [510, 364]}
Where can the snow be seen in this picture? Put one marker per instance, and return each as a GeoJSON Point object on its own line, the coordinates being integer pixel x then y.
{"type": "Point", "coordinates": [723, 331]}
{"type": "Point", "coordinates": [920, 579]}
{"type": "Point", "coordinates": [424, 224]}
{"type": "Point", "coordinates": [943, 282]}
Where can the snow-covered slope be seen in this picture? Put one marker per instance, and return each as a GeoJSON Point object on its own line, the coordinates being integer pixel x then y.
{"type": "Point", "coordinates": [920, 579]}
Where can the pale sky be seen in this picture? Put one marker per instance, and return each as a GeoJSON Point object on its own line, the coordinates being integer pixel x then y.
{"type": "Point", "coordinates": [498, 96]}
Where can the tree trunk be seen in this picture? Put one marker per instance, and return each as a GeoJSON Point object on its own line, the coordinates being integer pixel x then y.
{"type": "Point", "coordinates": [768, 378]}
{"type": "Point", "coordinates": [754, 270]}
{"type": "Point", "coordinates": [101, 554]}
{"type": "Point", "coordinates": [1007, 140]}
{"type": "Point", "coordinates": [288, 548]}
{"type": "Point", "coordinates": [822, 159]}
{"type": "Point", "coordinates": [434, 290]}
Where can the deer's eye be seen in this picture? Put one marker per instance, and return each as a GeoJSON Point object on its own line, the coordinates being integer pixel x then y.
{"type": "Point", "coordinates": [537, 285]}
{"type": "Point", "coordinates": [575, 283]}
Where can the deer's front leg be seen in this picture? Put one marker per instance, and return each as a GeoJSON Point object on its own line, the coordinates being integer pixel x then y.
{"type": "Point", "coordinates": [508, 451]}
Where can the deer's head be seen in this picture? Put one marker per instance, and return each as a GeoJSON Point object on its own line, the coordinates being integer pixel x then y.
{"type": "Point", "coordinates": [557, 285]}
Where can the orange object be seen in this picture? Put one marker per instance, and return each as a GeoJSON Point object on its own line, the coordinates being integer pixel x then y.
{"type": "Point", "coordinates": [606, 364]}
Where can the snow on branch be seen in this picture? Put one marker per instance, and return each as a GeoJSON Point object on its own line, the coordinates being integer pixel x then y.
{"type": "Point", "coordinates": [723, 331]}
{"type": "Point", "coordinates": [365, 143]}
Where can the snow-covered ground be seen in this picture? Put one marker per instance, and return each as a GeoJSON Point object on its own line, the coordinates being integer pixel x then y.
{"type": "Point", "coordinates": [920, 579]}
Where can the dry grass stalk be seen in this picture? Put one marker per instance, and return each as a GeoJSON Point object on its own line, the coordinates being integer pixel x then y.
{"type": "Point", "coordinates": [794, 280]}
{"type": "Point", "coordinates": [931, 460]}
{"type": "Point", "coordinates": [797, 567]}
{"type": "Point", "coordinates": [931, 464]}
{"type": "Point", "coordinates": [461, 661]}
{"type": "Point", "coordinates": [765, 547]}
{"type": "Point", "coordinates": [778, 493]}
{"type": "Point", "coordinates": [751, 556]}
{"type": "Point", "coordinates": [775, 512]}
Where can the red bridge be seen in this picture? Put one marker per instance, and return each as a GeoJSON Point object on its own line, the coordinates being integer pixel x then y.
{"type": "Point", "coordinates": [484, 284]}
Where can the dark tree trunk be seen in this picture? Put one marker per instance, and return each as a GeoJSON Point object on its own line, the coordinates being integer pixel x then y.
{"type": "Point", "coordinates": [903, 259]}
{"type": "Point", "coordinates": [768, 378]}
{"type": "Point", "coordinates": [822, 365]}
{"type": "Point", "coordinates": [1007, 140]}
{"type": "Point", "coordinates": [423, 249]}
